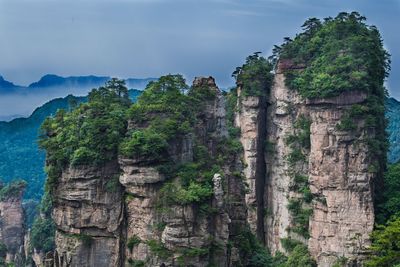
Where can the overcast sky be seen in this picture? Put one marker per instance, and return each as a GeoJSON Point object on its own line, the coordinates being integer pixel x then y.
{"type": "Point", "coordinates": [149, 38]}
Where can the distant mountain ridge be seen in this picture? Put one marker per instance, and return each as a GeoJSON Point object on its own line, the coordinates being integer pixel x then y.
{"type": "Point", "coordinates": [20, 101]}
{"type": "Point", "coordinates": [53, 80]}
{"type": "Point", "coordinates": [393, 129]}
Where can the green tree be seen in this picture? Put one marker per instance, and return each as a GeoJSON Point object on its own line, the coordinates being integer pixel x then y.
{"type": "Point", "coordinates": [89, 134]}
{"type": "Point", "coordinates": [390, 205]}
{"type": "Point", "coordinates": [386, 245]}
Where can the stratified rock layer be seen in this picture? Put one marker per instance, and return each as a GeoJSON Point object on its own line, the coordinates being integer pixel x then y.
{"type": "Point", "coordinates": [88, 213]}
{"type": "Point", "coordinates": [12, 228]}
{"type": "Point", "coordinates": [337, 166]}
{"type": "Point", "coordinates": [103, 225]}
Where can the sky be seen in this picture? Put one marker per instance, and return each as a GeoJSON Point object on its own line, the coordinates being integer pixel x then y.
{"type": "Point", "coordinates": [149, 38]}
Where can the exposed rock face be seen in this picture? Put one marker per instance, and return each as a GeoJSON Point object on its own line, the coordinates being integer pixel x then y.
{"type": "Point", "coordinates": [102, 226]}
{"type": "Point", "coordinates": [181, 227]}
{"type": "Point", "coordinates": [12, 228]}
{"type": "Point", "coordinates": [285, 106]}
{"type": "Point", "coordinates": [337, 169]}
{"type": "Point", "coordinates": [251, 119]}
{"type": "Point", "coordinates": [88, 213]}
{"type": "Point", "coordinates": [339, 173]}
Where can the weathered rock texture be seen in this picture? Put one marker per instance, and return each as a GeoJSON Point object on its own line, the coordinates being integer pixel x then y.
{"type": "Point", "coordinates": [338, 170]}
{"type": "Point", "coordinates": [340, 174]}
{"type": "Point", "coordinates": [12, 228]}
{"type": "Point", "coordinates": [97, 226]}
{"type": "Point", "coordinates": [251, 119]}
{"type": "Point", "coordinates": [182, 227]}
{"type": "Point", "coordinates": [88, 214]}
{"type": "Point", "coordinates": [285, 106]}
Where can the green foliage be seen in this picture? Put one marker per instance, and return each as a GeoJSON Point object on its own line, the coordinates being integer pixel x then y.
{"type": "Point", "coordinates": [300, 257]}
{"type": "Point", "coordinates": [341, 262]}
{"type": "Point", "coordinates": [133, 241]}
{"type": "Point", "coordinates": [298, 254]}
{"type": "Point", "coordinates": [3, 250]}
{"type": "Point", "coordinates": [390, 206]}
{"type": "Point", "coordinates": [295, 155]}
{"type": "Point", "coordinates": [42, 234]}
{"type": "Point", "coordinates": [168, 113]}
{"type": "Point", "coordinates": [158, 249]}
{"type": "Point", "coordinates": [12, 190]}
{"type": "Point", "coordinates": [86, 240]}
{"type": "Point", "coordinates": [177, 194]}
{"type": "Point", "coordinates": [136, 263]}
{"type": "Point", "coordinates": [385, 245]}
{"type": "Point", "coordinates": [145, 143]}
{"type": "Point", "coordinates": [19, 152]}
{"type": "Point", "coordinates": [254, 76]}
{"type": "Point", "coordinates": [300, 216]}
{"type": "Point", "coordinates": [189, 253]}
{"type": "Point", "coordinates": [89, 134]}
{"type": "Point", "coordinates": [392, 107]}
{"type": "Point", "coordinates": [298, 143]}
{"type": "Point", "coordinates": [112, 185]}
{"type": "Point", "coordinates": [340, 54]}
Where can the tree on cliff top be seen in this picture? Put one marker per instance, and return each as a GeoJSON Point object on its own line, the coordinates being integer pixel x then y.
{"type": "Point", "coordinates": [337, 55]}
{"type": "Point", "coordinates": [89, 134]}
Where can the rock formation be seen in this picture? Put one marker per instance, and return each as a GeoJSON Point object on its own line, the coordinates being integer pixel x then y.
{"type": "Point", "coordinates": [88, 214]}
{"type": "Point", "coordinates": [12, 228]}
{"type": "Point", "coordinates": [298, 178]}
{"type": "Point", "coordinates": [337, 167]}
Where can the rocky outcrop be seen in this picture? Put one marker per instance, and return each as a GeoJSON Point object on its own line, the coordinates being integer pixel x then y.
{"type": "Point", "coordinates": [88, 214]}
{"type": "Point", "coordinates": [337, 167]}
{"type": "Point", "coordinates": [114, 215]}
{"type": "Point", "coordinates": [285, 107]}
{"type": "Point", "coordinates": [179, 229]}
{"type": "Point", "coordinates": [12, 228]}
{"type": "Point", "coordinates": [341, 177]}
{"type": "Point", "coordinates": [250, 118]}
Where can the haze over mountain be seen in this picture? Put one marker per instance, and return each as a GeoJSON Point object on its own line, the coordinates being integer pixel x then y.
{"type": "Point", "coordinates": [50, 86]}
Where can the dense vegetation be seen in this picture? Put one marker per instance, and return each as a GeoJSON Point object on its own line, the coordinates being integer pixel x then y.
{"type": "Point", "coordinates": [89, 134]}
{"type": "Point", "coordinates": [339, 54]}
{"type": "Point", "coordinates": [385, 247]}
{"type": "Point", "coordinates": [12, 190]}
{"type": "Point", "coordinates": [254, 76]}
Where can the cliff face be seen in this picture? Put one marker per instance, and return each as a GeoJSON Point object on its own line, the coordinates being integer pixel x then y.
{"type": "Point", "coordinates": [297, 177]}
{"type": "Point", "coordinates": [128, 224]}
{"type": "Point", "coordinates": [251, 119]}
{"type": "Point", "coordinates": [184, 232]}
{"type": "Point", "coordinates": [12, 228]}
{"type": "Point", "coordinates": [336, 165]}
{"type": "Point", "coordinates": [88, 213]}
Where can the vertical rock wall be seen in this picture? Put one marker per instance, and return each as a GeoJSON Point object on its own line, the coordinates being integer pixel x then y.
{"type": "Point", "coordinates": [340, 176]}
{"type": "Point", "coordinates": [88, 214]}
{"type": "Point", "coordinates": [12, 228]}
{"type": "Point", "coordinates": [285, 107]}
{"type": "Point", "coordinates": [337, 167]}
{"type": "Point", "coordinates": [183, 227]}
{"type": "Point", "coordinates": [99, 225]}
